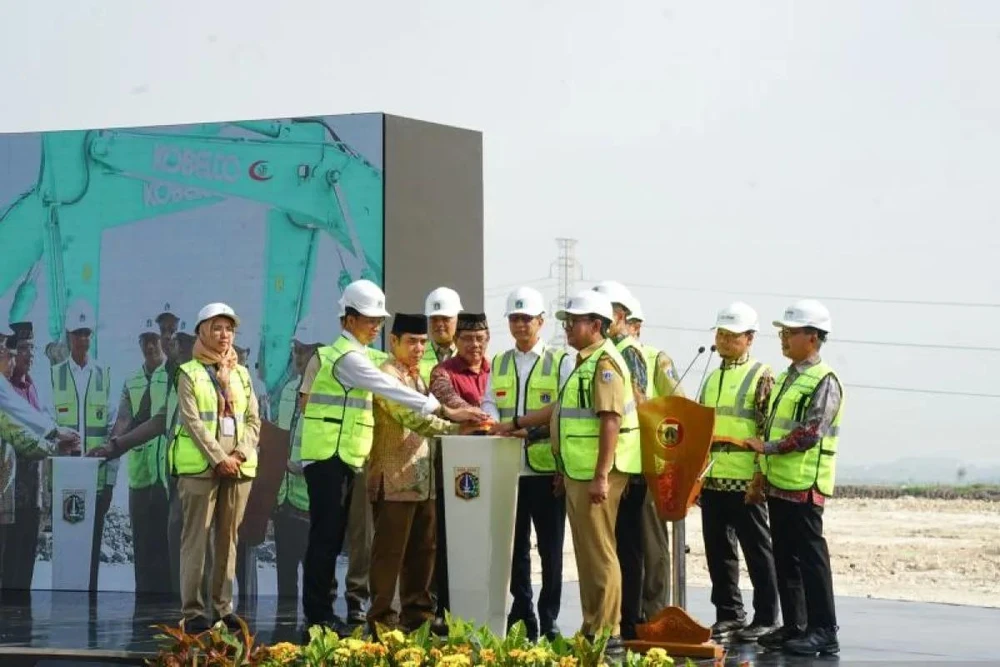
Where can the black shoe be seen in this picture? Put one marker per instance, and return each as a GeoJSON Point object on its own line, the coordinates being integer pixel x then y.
{"type": "Point", "coordinates": [552, 633]}
{"type": "Point", "coordinates": [356, 617]}
{"type": "Point", "coordinates": [754, 631]}
{"type": "Point", "coordinates": [530, 626]}
{"type": "Point", "coordinates": [614, 650]}
{"type": "Point", "coordinates": [232, 623]}
{"type": "Point", "coordinates": [816, 640]}
{"type": "Point", "coordinates": [722, 629]}
{"type": "Point", "coordinates": [196, 625]}
{"type": "Point", "coordinates": [439, 627]}
{"type": "Point", "coordinates": [775, 639]}
{"type": "Point", "coordinates": [336, 624]}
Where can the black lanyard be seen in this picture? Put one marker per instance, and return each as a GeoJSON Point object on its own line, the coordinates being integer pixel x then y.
{"type": "Point", "coordinates": [218, 388]}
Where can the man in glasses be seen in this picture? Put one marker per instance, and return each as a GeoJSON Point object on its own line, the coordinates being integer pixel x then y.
{"type": "Point", "coordinates": [595, 442]}
{"type": "Point", "coordinates": [525, 378]}
{"type": "Point", "coordinates": [800, 441]}
{"type": "Point", "coordinates": [337, 435]}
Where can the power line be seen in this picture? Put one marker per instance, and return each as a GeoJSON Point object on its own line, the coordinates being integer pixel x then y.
{"type": "Point", "coordinates": [930, 346]}
{"type": "Point", "coordinates": [507, 286]}
{"type": "Point", "coordinates": [787, 295]}
{"type": "Point", "coordinates": [914, 390]}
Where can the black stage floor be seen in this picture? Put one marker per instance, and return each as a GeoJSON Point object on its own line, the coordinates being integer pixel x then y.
{"type": "Point", "coordinates": [872, 631]}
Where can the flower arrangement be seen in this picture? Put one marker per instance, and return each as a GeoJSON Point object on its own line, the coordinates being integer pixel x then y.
{"type": "Point", "coordinates": [465, 646]}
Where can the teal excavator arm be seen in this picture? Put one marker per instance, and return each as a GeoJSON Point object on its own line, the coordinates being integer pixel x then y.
{"type": "Point", "coordinates": [96, 180]}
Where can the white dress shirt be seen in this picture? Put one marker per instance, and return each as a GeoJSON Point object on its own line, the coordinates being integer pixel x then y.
{"type": "Point", "coordinates": [18, 409]}
{"type": "Point", "coordinates": [523, 362]}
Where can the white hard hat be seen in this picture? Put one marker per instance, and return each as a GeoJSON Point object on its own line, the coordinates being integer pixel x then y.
{"type": "Point", "coordinates": [737, 318]}
{"type": "Point", "coordinates": [307, 333]}
{"type": "Point", "coordinates": [590, 302]}
{"type": "Point", "coordinates": [805, 313]}
{"type": "Point", "coordinates": [616, 292]}
{"type": "Point", "coordinates": [443, 302]}
{"type": "Point", "coordinates": [216, 309]}
{"type": "Point", "coordinates": [80, 315]}
{"type": "Point", "coordinates": [525, 301]}
{"type": "Point", "coordinates": [149, 326]}
{"type": "Point", "coordinates": [365, 297]}
{"type": "Point", "coordinates": [635, 313]}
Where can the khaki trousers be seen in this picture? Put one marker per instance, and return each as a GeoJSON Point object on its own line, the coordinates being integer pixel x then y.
{"type": "Point", "coordinates": [210, 504]}
{"type": "Point", "coordinates": [655, 560]}
{"type": "Point", "coordinates": [403, 551]}
{"type": "Point", "coordinates": [593, 529]}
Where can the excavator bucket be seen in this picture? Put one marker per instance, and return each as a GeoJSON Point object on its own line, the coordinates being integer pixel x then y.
{"type": "Point", "coordinates": [676, 435]}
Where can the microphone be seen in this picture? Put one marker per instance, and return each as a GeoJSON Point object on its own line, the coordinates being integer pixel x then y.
{"type": "Point", "coordinates": [701, 350]}
{"type": "Point", "coordinates": [705, 373]}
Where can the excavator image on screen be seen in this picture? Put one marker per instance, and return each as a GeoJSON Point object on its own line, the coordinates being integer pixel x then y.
{"type": "Point", "coordinates": [94, 180]}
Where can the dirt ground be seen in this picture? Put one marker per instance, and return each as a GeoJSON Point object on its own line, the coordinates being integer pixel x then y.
{"type": "Point", "coordinates": [898, 549]}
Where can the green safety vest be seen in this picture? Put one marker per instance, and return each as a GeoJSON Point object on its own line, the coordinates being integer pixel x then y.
{"type": "Point", "coordinates": [147, 462]}
{"type": "Point", "coordinates": [579, 425]}
{"type": "Point", "coordinates": [428, 362]}
{"type": "Point", "coordinates": [293, 486]}
{"type": "Point", "coordinates": [96, 401]}
{"type": "Point", "coordinates": [378, 357]}
{"type": "Point", "coordinates": [815, 467]}
{"type": "Point", "coordinates": [185, 457]}
{"type": "Point", "coordinates": [542, 388]}
{"type": "Point", "coordinates": [337, 421]}
{"type": "Point", "coordinates": [630, 341]}
{"type": "Point", "coordinates": [650, 354]}
{"type": "Point", "coordinates": [731, 392]}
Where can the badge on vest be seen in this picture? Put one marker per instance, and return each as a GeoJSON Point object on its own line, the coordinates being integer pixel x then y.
{"type": "Point", "coordinates": [99, 414]}
{"type": "Point", "coordinates": [467, 483]}
{"type": "Point", "coordinates": [74, 505]}
{"type": "Point", "coordinates": [607, 375]}
{"type": "Point", "coordinates": [228, 427]}
{"type": "Point", "coordinates": [545, 398]}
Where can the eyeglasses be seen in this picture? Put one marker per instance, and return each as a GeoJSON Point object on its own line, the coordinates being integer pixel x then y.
{"type": "Point", "coordinates": [571, 321]}
{"type": "Point", "coordinates": [788, 333]}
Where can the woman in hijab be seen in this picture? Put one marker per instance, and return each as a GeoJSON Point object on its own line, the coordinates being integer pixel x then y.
{"type": "Point", "coordinates": [214, 456]}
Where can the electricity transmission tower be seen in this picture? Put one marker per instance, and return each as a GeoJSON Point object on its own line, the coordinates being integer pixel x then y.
{"type": "Point", "coordinates": [567, 273]}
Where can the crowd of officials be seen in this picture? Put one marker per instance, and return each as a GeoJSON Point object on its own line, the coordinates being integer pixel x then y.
{"type": "Point", "coordinates": [364, 464]}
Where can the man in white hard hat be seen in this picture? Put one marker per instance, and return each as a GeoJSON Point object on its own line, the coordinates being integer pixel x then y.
{"type": "Point", "coordinates": [337, 420]}
{"type": "Point", "coordinates": [631, 542]}
{"type": "Point", "coordinates": [800, 440]}
{"type": "Point", "coordinates": [739, 391]}
{"type": "Point", "coordinates": [291, 516]}
{"type": "Point", "coordinates": [143, 394]}
{"type": "Point", "coordinates": [595, 441]}
{"type": "Point", "coordinates": [525, 378]}
{"type": "Point", "coordinates": [661, 380]}
{"type": "Point", "coordinates": [81, 394]}
{"type": "Point", "coordinates": [441, 307]}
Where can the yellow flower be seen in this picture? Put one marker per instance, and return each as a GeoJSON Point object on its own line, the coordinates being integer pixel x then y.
{"type": "Point", "coordinates": [354, 645]}
{"type": "Point", "coordinates": [341, 654]}
{"type": "Point", "coordinates": [568, 661]}
{"type": "Point", "coordinates": [487, 656]}
{"type": "Point", "coordinates": [657, 657]}
{"type": "Point", "coordinates": [410, 654]}
{"type": "Point", "coordinates": [455, 660]}
{"type": "Point", "coordinates": [435, 654]}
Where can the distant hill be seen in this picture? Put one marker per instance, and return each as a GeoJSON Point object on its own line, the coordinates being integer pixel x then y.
{"type": "Point", "coordinates": [920, 471]}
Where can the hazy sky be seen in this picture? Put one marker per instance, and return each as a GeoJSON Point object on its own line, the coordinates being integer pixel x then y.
{"type": "Point", "coordinates": [835, 149]}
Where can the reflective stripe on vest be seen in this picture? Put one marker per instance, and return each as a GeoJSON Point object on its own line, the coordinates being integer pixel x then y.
{"type": "Point", "coordinates": [146, 462]}
{"type": "Point", "coordinates": [97, 399]}
{"type": "Point", "coordinates": [731, 391]}
{"type": "Point", "coordinates": [542, 388]}
{"type": "Point", "coordinates": [579, 425]}
{"type": "Point", "coordinates": [293, 486]}
{"type": "Point", "coordinates": [815, 467]}
{"type": "Point", "coordinates": [185, 456]}
{"type": "Point", "coordinates": [337, 421]}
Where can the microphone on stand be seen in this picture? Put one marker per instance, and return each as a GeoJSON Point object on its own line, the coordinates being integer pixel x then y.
{"type": "Point", "coordinates": [705, 373]}
{"type": "Point", "coordinates": [701, 350]}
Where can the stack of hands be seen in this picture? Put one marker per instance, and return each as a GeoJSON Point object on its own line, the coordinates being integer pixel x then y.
{"type": "Point", "coordinates": [68, 441]}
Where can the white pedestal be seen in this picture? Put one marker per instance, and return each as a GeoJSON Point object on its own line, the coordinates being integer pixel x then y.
{"type": "Point", "coordinates": [480, 499]}
{"type": "Point", "coordinates": [74, 497]}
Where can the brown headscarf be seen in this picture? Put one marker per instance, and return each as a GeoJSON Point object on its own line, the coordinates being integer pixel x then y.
{"type": "Point", "coordinates": [208, 352]}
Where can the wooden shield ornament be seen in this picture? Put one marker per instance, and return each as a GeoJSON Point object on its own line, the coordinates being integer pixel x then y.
{"type": "Point", "coordinates": [272, 460]}
{"type": "Point", "coordinates": [676, 438]}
